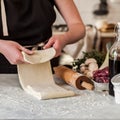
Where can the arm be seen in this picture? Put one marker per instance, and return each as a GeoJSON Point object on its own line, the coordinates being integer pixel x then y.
{"type": "Point", "coordinates": [12, 51]}
{"type": "Point", "coordinates": [76, 28]}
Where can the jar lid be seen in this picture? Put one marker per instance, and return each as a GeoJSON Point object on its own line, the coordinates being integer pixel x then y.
{"type": "Point", "coordinates": [117, 27]}
{"type": "Point", "coordinates": [116, 80]}
{"type": "Point", "coordinates": [118, 24]}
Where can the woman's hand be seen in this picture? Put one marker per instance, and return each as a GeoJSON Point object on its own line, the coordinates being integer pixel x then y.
{"type": "Point", "coordinates": [12, 51]}
{"type": "Point", "coordinates": [76, 28]}
{"type": "Point", "coordinates": [58, 42]}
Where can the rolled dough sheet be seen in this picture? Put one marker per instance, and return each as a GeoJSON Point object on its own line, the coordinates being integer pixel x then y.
{"type": "Point", "coordinates": [40, 56]}
{"type": "Point", "coordinates": [37, 79]}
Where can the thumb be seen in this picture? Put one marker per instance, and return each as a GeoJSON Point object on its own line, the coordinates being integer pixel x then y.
{"type": "Point", "coordinates": [49, 44]}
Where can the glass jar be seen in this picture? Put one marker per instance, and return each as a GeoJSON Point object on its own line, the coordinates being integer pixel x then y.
{"type": "Point", "coordinates": [114, 58]}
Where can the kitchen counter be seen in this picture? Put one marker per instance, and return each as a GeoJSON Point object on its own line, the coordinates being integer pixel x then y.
{"type": "Point", "coordinates": [17, 104]}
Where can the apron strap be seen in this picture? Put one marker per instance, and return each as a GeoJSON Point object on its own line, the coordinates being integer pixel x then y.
{"type": "Point", "coordinates": [4, 18]}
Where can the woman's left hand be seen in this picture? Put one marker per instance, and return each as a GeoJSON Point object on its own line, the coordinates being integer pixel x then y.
{"type": "Point", "coordinates": [58, 42]}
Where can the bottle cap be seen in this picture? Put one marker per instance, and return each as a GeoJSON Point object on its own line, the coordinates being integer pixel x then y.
{"type": "Point", "coordinates": [116, 86]}
{"type": "Point", "coordinates": [118, 24]}
{"type": "Point", "coordinates": [117, 28]}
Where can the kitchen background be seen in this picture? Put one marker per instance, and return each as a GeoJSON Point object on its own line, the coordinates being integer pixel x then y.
{"type": "Point", "coordinates": [86, 8]}
{"type": "Point", "coordinates": [94, 37]}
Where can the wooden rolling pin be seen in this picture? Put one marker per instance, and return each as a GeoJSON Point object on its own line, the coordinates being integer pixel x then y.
{"type": "Point", "coordinates": [73, 78]}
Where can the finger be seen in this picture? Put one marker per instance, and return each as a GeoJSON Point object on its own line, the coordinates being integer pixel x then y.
{"type": "Point", "coordinates": [49, 44]}
{"type": "Point", "coordinates": [17, 62]}
{"type": "Point", "coordinates": [26, 50]}
{"type": "Point", "coordinates": [22, 62]}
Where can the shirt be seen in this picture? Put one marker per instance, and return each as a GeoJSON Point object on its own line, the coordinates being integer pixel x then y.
{"type": "Point", "coordinates": [28, 21]}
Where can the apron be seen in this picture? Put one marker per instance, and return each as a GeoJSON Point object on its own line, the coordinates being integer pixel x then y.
{"type": "Point", "coordinates": [27, 22]}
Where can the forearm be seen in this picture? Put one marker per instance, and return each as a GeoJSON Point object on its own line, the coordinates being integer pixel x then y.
{"type": "Point", "coordinates": [76, 28]}
{"type": "Point", "coordinates": [75, 33]}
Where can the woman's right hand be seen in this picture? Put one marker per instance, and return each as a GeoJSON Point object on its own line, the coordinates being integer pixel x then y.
{"type": "Point", "coordinates": [12, 51]}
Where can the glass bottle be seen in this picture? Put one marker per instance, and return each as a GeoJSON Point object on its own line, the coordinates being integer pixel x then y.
{"type": "Point", "coordinates": [114, 58]}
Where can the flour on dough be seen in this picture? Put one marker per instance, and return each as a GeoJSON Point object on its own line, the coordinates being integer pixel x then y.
{"type": "Point", "coordinates": [36, 78]}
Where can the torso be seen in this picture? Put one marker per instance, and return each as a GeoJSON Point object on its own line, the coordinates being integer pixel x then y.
{"type": "Point", "coordinates": [29, 21]}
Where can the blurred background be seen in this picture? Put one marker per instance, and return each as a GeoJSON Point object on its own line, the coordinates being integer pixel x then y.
{"type": "Point", "coordinates": [87, 8]}
{"type": "Point", "coordinates": [100, 18]}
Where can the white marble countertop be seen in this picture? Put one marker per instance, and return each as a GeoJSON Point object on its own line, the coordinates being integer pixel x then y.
{"type": "Point", "coordinates": [17, 104]}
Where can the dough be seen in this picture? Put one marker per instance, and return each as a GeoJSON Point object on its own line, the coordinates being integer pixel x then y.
{"type": "Point", "coordinates": [40, 56]}
{"type": "Point", "coordinates": [36, 78]}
